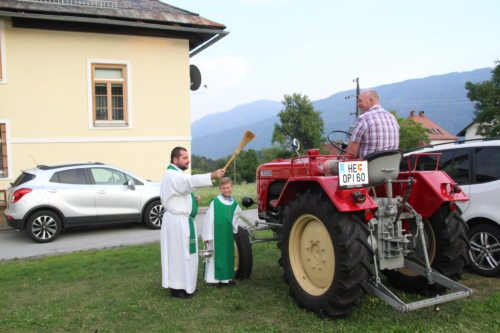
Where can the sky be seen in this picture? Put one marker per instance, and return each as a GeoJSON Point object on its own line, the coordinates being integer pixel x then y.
{"type": "Point", "coordinates": [317, 47]}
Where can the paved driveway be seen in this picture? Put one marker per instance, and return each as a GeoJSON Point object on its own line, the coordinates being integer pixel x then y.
{"type": "Point", "coordinates": [18, 244]}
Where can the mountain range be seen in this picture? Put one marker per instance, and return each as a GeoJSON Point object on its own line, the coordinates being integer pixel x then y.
{"type": "Point", "coordinates": [443, 98]}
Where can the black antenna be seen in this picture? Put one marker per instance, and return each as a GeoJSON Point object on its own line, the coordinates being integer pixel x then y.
{"type": "Point", "coordinates": [36, 164]}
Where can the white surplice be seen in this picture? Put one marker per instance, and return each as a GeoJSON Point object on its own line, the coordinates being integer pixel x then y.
{"type": "Point", "coordinates": [179, 267]}
{"type": "Point", "coordinates": [208, 235]}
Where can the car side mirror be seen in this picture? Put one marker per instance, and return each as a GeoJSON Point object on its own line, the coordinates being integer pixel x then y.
{"type": "Point", "coordinates": [131, 184]}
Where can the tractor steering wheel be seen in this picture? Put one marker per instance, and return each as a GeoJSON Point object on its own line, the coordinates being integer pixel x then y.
{"type": "Point", "coordinates": [339, 140]}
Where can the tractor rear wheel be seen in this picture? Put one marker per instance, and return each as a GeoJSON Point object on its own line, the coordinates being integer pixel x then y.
{"type": "Point", "coordinates": [325, 255]}
{"type": "Point", "coordinates": [447, 244]}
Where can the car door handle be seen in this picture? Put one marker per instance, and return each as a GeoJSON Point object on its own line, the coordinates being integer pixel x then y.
{"type": "Point", "coordinates": [52, 190]}
{"type": "Point", "coordinates": [101, 192]}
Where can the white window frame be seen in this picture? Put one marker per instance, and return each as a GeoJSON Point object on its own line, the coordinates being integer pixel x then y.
{"type": "Point", "coordinates": [128, 92]}
{"type": "Point", "coordinates": [3, 62]}
{"type": "Point", "coordinates": [8, 176]}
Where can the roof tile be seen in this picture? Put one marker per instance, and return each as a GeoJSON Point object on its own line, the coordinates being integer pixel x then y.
{"type": "Point", "coordinates": [144, 10]}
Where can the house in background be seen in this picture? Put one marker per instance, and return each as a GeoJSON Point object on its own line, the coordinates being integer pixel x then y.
{"type": "Point", "coordinates": [92, 80]}
{"type": "Point", "coordinates": [470, 132]}
{"type": "Point", "coordinates": [436, 133]}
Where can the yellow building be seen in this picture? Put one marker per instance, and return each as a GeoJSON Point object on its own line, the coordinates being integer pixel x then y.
{"type": "Point", "coordinates": [95, 80]}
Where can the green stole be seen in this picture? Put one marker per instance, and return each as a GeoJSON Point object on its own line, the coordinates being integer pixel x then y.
{"type": "Point", "coordinates": [192, 215]}
{"type": "Point", "coordinates": [223, 239]}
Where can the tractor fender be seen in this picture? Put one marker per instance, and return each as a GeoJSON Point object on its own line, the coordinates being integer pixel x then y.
{"type": "Point", "coordinates": [341, 198]}
{"type": "Point", "coordinates": [431, 190]}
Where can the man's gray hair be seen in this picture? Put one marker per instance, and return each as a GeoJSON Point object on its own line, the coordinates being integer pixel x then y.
{"type": "Point", "coordinates": [372, 93]}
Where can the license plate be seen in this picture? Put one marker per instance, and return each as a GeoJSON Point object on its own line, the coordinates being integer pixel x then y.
{"type": "Point", "coordinates": [353, 173]}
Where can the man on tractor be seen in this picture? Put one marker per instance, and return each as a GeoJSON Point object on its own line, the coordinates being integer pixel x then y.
{"type": "Point", "coordinates": [375, 129]}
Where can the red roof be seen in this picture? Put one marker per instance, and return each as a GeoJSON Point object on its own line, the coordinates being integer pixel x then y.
{"type": "Point", "coordinates": [436, 132]}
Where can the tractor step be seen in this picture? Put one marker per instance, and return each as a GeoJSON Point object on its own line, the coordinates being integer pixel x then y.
{"type": "Point", "coordinates": [457, 290]}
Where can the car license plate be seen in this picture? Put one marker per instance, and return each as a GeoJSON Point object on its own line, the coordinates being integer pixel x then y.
{"type": "Point", "coordinates": [353, 173]}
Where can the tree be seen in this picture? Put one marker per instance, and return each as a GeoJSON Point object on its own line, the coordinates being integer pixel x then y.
{"type": "Point", "coordinates": [299, 120]}
{"type": "Point", "coordinates": [411, 133]}
{"type": "Point", "coordinates": [268, 154]}
{"type": "Point", "coordinates": [487, 108]}
{"type": "Point", "coordinates": [246, 166]}
{"type": "Point", "coordinates": [201, 164]}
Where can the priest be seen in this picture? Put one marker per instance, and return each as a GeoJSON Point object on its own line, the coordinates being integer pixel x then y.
{"type": "Point", "coordinates": [178, 237]}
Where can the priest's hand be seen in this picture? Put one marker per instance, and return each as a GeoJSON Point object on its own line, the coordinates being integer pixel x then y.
{"type": "Point", "coordinates": [217, 174]}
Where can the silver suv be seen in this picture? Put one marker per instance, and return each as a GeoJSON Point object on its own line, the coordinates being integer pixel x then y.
{"type": "Point", "coordinates": [47, 199]}
{"type": "Point", "coordinates": [475, 166]}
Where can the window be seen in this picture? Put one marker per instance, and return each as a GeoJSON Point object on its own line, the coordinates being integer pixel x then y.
{"type": "Point", "coordinates": [109, 95]}
{"type": "Point", "coordinates": [24, 177]}
{"type": "Point", "coordinates": [103, 176]}
{"type": "Point", "coordinates": [72, 176]}
{"type": "Point", "coordinates": [4, 171]}
{"type": "Point", "coordinates": [456, 164]}
{"type": "Point", "coordinates": [487, 162]}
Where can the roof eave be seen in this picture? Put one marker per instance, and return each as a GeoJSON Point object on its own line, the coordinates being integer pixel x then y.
{"type": "Point", "coordinates": [212, 34]}
{"type": "Point", "coordinates": [462, 132]}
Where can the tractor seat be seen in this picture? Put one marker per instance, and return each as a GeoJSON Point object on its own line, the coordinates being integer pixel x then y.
{"type": "Point", "coordinates": [383, 165]}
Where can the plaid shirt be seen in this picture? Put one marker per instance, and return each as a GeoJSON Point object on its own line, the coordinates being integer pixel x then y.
{"type": "Point", "coordinates": [376, 130]}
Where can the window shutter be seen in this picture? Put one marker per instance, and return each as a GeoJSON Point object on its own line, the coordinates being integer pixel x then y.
{"type": "Point", "coordinates": [3, 149]}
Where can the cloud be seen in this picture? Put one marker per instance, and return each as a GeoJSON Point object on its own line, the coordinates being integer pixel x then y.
{"type": "Point", "coordinates": [223, 72]}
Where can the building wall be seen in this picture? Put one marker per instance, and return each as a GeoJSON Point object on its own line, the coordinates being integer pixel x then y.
{"type": "Point", "coordinates": [470, 133]}
{"type": "Point", "coordinates": [46, 105]}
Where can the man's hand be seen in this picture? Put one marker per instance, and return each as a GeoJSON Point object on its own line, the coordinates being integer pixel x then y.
{"type": "Point", "coordinates": [217, 174]}
{"type": "Point", "coordinates": [353, 149]}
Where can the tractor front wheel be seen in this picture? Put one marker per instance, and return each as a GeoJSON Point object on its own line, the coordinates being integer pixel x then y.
{"type": "Point", "coordinates": [325, 255]}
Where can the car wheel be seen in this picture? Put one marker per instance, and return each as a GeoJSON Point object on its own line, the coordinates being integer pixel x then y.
{"type": "Point", "coordinates": [44, 226]}
{"type": "Point", "coordinates": [484, 252]}
{"type": "Point", "coordinates": [153, 215]}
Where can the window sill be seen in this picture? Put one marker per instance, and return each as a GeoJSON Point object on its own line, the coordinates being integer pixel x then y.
{"type": "Point", "coordinates": [110, 124]}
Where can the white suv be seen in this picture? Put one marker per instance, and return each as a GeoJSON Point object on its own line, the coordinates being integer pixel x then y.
{"type": "Point", "coordinates": [47, 199]}
{"type": "Point", "coordinates": [475, 166]}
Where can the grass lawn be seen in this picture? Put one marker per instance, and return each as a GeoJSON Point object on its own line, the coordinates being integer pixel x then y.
{"type": "Point", "coordinates": [239, 191]}
{"type": "Point", "coordinates": [118, 290]}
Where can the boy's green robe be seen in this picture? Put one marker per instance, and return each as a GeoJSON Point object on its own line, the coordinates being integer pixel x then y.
{"type": "Point", "coordinates": [221, 222]}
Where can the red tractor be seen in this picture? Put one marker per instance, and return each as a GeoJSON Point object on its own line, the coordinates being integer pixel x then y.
{"type": "Point", "coordinates": [365, 226]}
